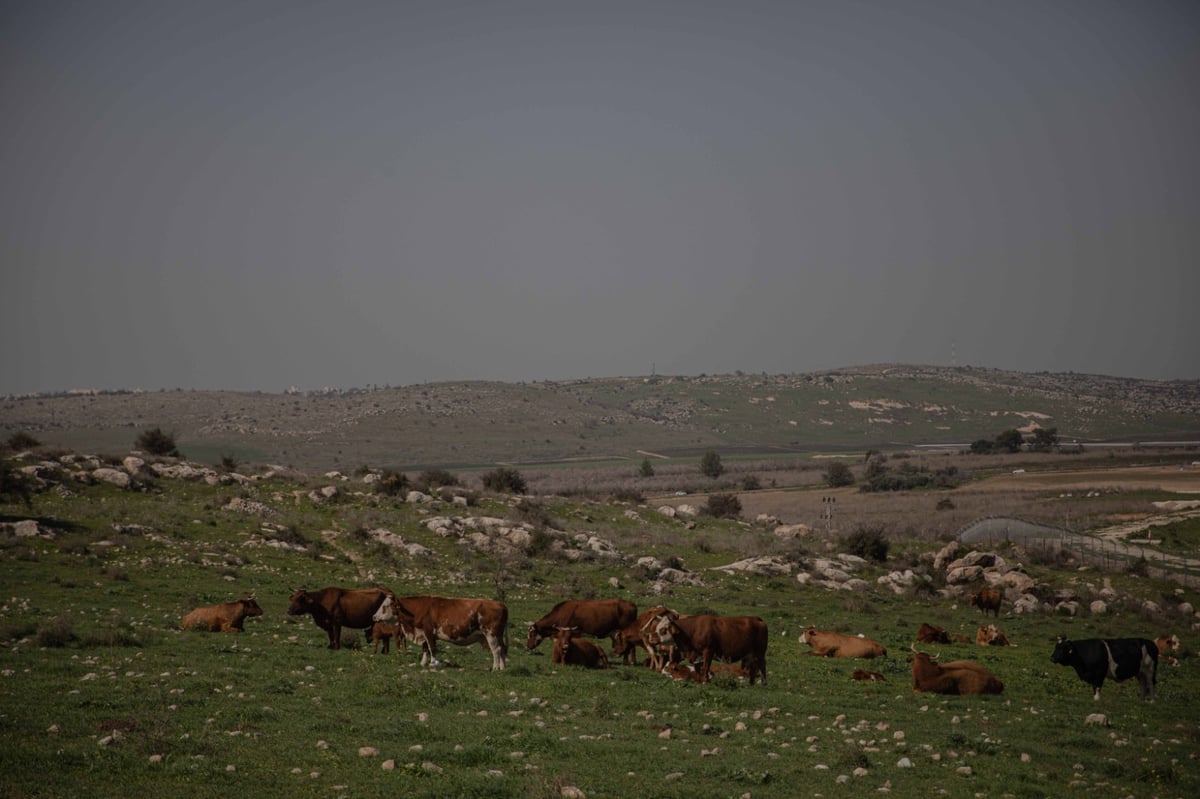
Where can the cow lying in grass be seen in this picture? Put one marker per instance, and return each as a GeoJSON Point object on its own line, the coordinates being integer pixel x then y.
{"type": "Point", "coordinates": [830, 644]}
{"type": "Point", "coordinates": [957, 677]}
{"type": "Point", "coordinates": [225, 618]}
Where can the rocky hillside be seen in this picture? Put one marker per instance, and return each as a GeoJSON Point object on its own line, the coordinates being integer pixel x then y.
{"type": "Point", "coordinates": [474, 423]}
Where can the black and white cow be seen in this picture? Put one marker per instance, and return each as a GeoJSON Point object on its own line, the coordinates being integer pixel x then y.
{"type": "Point", "coordinates": [1115, 658]}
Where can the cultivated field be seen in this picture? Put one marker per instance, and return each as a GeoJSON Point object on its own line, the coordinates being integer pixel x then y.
{"type": "Point", "coordinates": [100, 690]}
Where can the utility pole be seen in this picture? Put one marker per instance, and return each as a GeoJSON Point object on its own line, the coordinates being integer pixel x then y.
{"type": "Point", "coordinates": [827, 504]}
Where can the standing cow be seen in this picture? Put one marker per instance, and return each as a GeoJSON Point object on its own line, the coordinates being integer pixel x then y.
{"type": "Point", "coordinates": [987, 599]}
{"type": "Point", "coordinates": [1118, 659]}
{"type": "Point", "coordinates": [599, 618]}
{"type": "Point", "coordinates": [456, 620]}
{"type": "Point", "coordinates": [703, 637]}
{"type": "Point", "coordinates": [333, 608]}
{"type": "Point", "coordinates": [225, 618]}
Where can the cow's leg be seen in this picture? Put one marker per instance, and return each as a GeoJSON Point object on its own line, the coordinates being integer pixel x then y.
{"type": "Point", "coordinates": [493, 642]}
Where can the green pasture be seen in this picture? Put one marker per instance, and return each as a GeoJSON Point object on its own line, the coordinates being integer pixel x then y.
{"type": "Point", "coordinates": [101, 692]}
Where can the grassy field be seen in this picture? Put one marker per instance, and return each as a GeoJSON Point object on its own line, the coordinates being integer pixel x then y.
{"type": "Point", "coordinates": [101, 690]}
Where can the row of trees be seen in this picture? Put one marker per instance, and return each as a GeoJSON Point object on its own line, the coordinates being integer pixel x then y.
{"type": "Point", "coordinates": [1045, 439]}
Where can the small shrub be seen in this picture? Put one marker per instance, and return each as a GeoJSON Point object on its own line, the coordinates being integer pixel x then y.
{"type": "Point", "coordinates": [723, 506]}
{"type": "Point", "coordinates": [531, 512]}
{"type": "Point", "coordinates": [55, 633]}
{"type": "Point", "coordinates": [392, 484]}
{"type": "Point", "coordinates": [838, 475]}
{"type": "Point", "coordinates": [14, 486]}
{"type": "Point", "coordinates": [945, 503]}
{"type": "Point", "coordinates": [867, 542]}
{"type": "Point", "coordinates": [631, 495]}
{"type": "Point", "coordinates": [157, 442]}
{"type": "Point", "coordinates": [751, 483]}
{"type": "Point", "coordinates": [646, 470]}
{"type": "Point", "coordinates": [432, 479]}
{"type": "Point", "coordinates": [22, 441]}
{"type": "Point", "coordinates": [504, 480]}
{"type": "Point", "coordinates": [228, 463]}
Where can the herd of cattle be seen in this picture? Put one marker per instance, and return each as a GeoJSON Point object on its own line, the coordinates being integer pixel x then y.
{"type": "Point", "coordinates": [682, 646]}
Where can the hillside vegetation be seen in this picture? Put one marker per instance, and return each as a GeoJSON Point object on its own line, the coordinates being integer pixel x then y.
{"type": "Point", "coordinates": [100, 687]}
{"type": "Point", "coordinates": [623, 419]}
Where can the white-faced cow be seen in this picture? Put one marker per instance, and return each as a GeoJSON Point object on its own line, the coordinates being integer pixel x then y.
{"type": "Point", "coordinates": [1118, 659]}
{"type": "Point", "coordinates": [991, 635]}
{"type": "Point", "coordinates": [830, 644]}
{"type": "Point", "coordinates": [642, 633]}
{"type": "Point", "coordinates": [224, 618]}
{"type": "Point", "coordinates": [333, 608]}
{"type": "Point", "coordinates": [1165, 644]}
{"type": "Point", "coordinates": [705, 637]}
{"type": "Point", "coordinates": [598, 618]}
{"type": "Point", "coordinates": [455, 620]}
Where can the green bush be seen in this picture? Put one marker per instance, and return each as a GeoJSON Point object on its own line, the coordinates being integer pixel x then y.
{"type": "Point", "coordinates": [22, 441]}
{"type": "Point", "coordinates": [157, 442]}
{"type": "Point", "coordinates": [14, 486]}
{"type": "Point", "coordinates": [392, 484]}
{"type": "Point", "coordinates": [432, 479]}
{"type": "Point", "coordinates": [838, 475]}
{"type": "Point", "coordinates": [504, 480]}
{"type": "Point", "coordinates": [57, 632]}
{"type": "Point", "coordinates": [710, 465]}
{"type": "Point", "coordinates": [751, 483]}
{"type": "Point", "coordinates": [867, 542]}
{"type": "Point", "coordinates": [723, 506]}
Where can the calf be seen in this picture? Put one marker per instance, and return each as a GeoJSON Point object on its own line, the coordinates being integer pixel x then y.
{"type": "Point", "coordinates": [958, 677]}
{"type": "Point", "coordinates": [987, 599]}
{"type": "Point", "coordinates": [990, 635]}
{"type": "Point", "coordinates": [1118, 659]}
{"type": "Point", "coordinates": [830, 644]}
{"type": "Point", "coordinates": [928, 634]}
{"type": "Point", "coordinates": [383, 632]}
{"type": "Point", "coordinates": [862, 675]}
{"type": "Point", "coordinates": [572, 651]}
{"type": "Point", "coordinates": [225, 618]}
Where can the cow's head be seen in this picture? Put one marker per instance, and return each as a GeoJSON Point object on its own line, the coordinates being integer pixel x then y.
{"type": "Point", "coordinates": [1064, 651]}
{"type": "Point", "coordinates": [386, 612]}
{"type": "Point", "coordinates": [250, 607]}
{"type": "Point", "coordinates": [806, 636]}
{"type": "Point", "coordinates": [534, 638]}
{"type": "Point", "coordinates": [301, 602]}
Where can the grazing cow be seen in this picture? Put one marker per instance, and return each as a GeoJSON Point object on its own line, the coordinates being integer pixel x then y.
{"type": "Point", "coordinates": [572, 651]}
{"type": "Point", "coordinates": [990, 635]}
{"type": "Point", "coordinates": [829, 644]}
{"type": "Point", "coordinates": [225, 618]}
{"type": "Point", "coordinates": [862, 675]}
{"type": "Point", "coordinates": [382, 632]}
{"type": "Point", "coordinates": [928, 634]}
{"type": "Point", "coordinates": [730, 638]}
{"type": "Point", "coordinates": [958, 677]}
{"type": "Point", "coordinates": [1118, 659]}
{"type": "Point", "coordinates": [457, 621]}
{"type": "Point", "coordinates": [987, 599]}
{"type": "Point", "coordinates": [643, 633]}
{"type": "Point", "coordinates": [333, 608]}
{"type": "Point", "coordinates": [599, 618]}
{"type": "Point", "coordinates": [1167, 643]}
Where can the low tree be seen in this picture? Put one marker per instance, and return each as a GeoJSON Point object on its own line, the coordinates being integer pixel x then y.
{"type": "Point", "coordinates": [710, 464]}
{"type": "Point", "coordinates": [432, 479]}
{"type": "Point", "coordinates": [157, 442]}
{"type": "Point", "coordinates": [1045, 439]}
{"type": "Point", "coordinates": [504, 480]}
{"type": "Point", "coordinates": [983, 446]}
{"type": "Point", "coordinates": [723, 506]}
{"type": "Point", "coordinates": [1010, 441]}
{"type": "Point", "coordinates": [14, 486]}
{"type": "Point", "coordinates": [838, 475]}
{"type": "Point", "coordinates": [867, 541]}
{"type": "Point", "coordinates": [22, 441]}
{"type": "Point", "coordinates": [646, 470]}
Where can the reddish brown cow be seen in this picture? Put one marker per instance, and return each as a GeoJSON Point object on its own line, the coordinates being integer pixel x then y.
{"type": "Point", "coordinates": [830, 644]}
{"type": "Point", "coordinates": [642, 633]}
{"type": "Point", "coordinates": [960, 639]}
{"type": "Point", "coordinates": [929, 634]}
{"type": "Point", "coordinates": [955, 677]}
{"type": "Point", "coordinates": [458, 621]}
{"type": "Point", "coordinates": [225, 618]}
{"type": "Point", "coordinates": [333, 608]}
{"type": "Point", "coordinates": [730, 638]}
{"type": "Point", "coordinates": [987, 599]}
{"type": "Point", "coordinates": [599, 618]}
{"type": "Point", "coordinates": [572, 651]}
{"type": "Point", "coordinates": [382, 632]}
{"type": "Point", "coordinates": [862, 675]}
{"type": "Point", "coordinates": [990, 635]}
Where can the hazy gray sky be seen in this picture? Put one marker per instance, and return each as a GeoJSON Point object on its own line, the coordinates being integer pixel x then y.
{"type": "Point", "coordinates": [253, 195]}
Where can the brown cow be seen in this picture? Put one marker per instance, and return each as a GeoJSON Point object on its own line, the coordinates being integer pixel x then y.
{"type": "Point", "coordinates": [990, 635]}
{"type": "Point", "coordinates": [929, 634]}
{"type": "Point", "coordinates": [643, 633]}
{"type": "Point", "coordinates": [730, 638]}
{"type": "Point", "coordinates": [333, 608]}
{"type": "Point", "coordinates": [382, 632]}
{"type": "Point", "coordinates": [830, 644]}
{"type": "Point", "coordinates": [458, 621]}
{"type": "Point", "coordinates": [955, 677]}
{"type": "Point", "coordinates": [862, 675]}
{"type": "Point", "coordinates": [1167, 643]}
{"type": "Point", "coordinates": [572, 651]}
{"type": "Point", "coordinates": [987, 599]}
{"type": "Point", "coordinates": [598, 618]}
{"type": "Point", "coordinates": [225, 618]}
{"type": "Point", "coordinates": [960, 639]}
